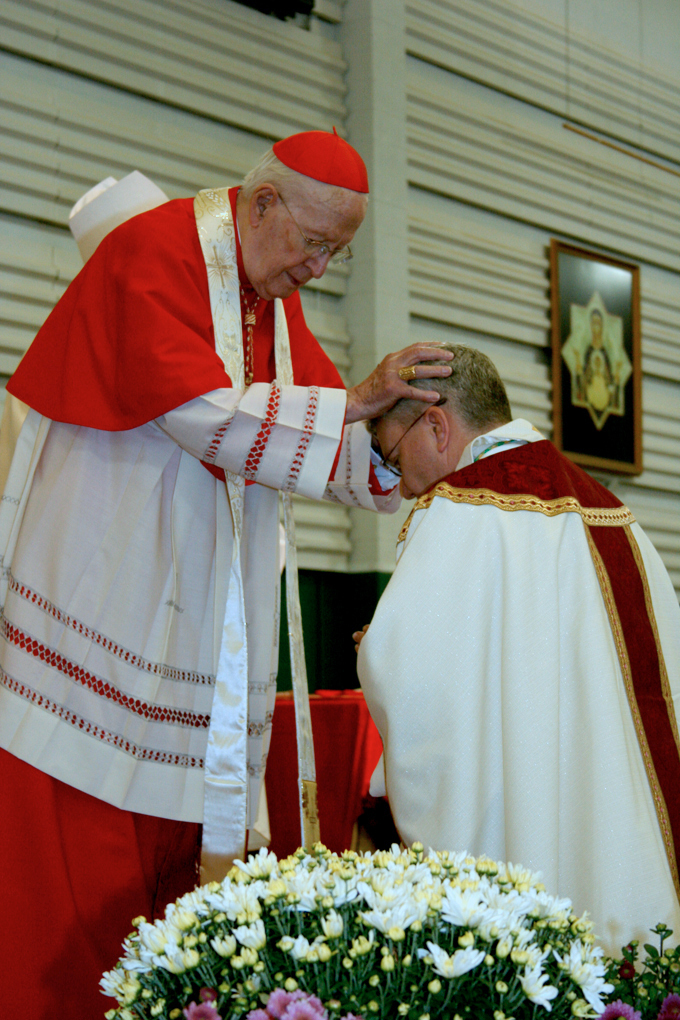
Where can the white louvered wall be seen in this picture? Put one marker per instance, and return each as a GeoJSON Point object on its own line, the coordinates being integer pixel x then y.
{"type": "Point", "coordinates": [493, 173]}
{"type": "Point", "coordinates": [211, 57]}
{"type": "Point", "coordinates": [191, 93]}
{"type": "Point", "coordinates": [571, 58]}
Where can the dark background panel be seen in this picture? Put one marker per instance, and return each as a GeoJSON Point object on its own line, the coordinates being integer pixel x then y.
{"type": "Point", "coordinates": [578, 278]}
{"type": "Point", "coordinates": [333, 605]}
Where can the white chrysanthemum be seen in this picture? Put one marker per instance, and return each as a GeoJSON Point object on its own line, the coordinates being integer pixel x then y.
{"type": "Point", "coordinates": [259, 865]}
{"type": "Point", "coordinates": [183, 919]}
{"type": "Point", "coordinates": [431, 894]}
{"type": "Point", "coordinates": [493, 925]}
{"type": "Point", "coordinates": [305, 886]}
{"type": "Point", "coordinates": [156, 941]}
{"type": "Point", "coordinates": [455, 860]}
{"type": "Point", "coordinates": [523, 937]}
{"type": "Point", "coordinates": [363, 945]}
{"type": "Point", "coordinates": [333, 925]}
{"type": "Point", "coordinates": [139, 966]}
{"type": "Point", "coordinates": [585, 968]}
{"type": "Point", "coordinates": [152, 937]}
{"type": "Point", "coordinates": [522, 878]}
{"type": "Point", "coordinates": [465, 907]}
{"type": "Point", "coordinates": [509, 901]}
{"type": "Point", "coordinates": [533, 982]}
{"type": "Point", "coordinates": [194, 900]}
{"type": "Point", "coordinates": [544, 906]}
{"type": "Point", "coordinates": [114, 983]}
{"type": "Point", "coordinates": [276, 887]}
{"type": "Point", "coordinates": [299, 947]}
{"type": "Point", "coordinates": [253, 936]}
{"type": "Point", "coordinates": [238, 900]}
{"type": "Point", "coordinates": [389, 898]}
{"type": "Point", "coordinates": [536, 956]}
{"type": "Point", "coordinates": [178, 960]}
{"type": "Point", "coordinates": [399, 915]}
{"type": "Point", "coordinates": [225, 947]}
{"type": "Point", "coordinates": [462, 961]}
{"type": "Point", "coordinates": [387, 885]}
{"type": "Point", "coordinates": [342, 890]}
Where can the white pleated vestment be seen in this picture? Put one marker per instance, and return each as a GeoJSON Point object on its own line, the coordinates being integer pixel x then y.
{"type": "Point", "coordinates": [139, 640]}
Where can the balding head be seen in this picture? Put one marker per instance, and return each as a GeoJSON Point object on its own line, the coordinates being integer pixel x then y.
{"type": "Point", "coordinates": [474, 391]}
{"type": "Point", "coordinates": [427, 445]}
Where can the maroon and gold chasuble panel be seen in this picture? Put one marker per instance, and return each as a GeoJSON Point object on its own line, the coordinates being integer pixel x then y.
{"type": "Point", "coordinates": [536, 477]}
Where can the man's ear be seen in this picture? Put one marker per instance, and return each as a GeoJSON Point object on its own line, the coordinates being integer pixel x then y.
{"type": "Point", "coordinates": [440, 423]}
{"type": "Point", "coordinates": [260, 200]}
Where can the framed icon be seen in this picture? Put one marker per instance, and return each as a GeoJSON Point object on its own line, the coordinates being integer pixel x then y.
{"type": "Point", "coordinates": [596, 361]}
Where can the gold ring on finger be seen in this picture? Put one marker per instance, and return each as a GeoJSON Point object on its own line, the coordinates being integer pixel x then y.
{"type": "Point", "coordinates": [407, 373]}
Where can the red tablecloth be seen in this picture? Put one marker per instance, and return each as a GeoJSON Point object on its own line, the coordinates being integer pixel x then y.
{"type": "Point", "coordinates": [347, 748]}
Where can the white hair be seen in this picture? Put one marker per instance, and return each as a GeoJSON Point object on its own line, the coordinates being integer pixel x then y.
{"type": "Point", "coordinates": [270, 170]}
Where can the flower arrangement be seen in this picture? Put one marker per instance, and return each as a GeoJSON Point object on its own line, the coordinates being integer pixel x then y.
{"type": "Point", "coordinates": [650, 991]}
{"type": "Point", "coordinates": [318, 936]}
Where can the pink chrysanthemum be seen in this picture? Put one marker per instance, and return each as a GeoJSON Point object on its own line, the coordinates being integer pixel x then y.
{"type": "Point", "coordinates": [201, 1011]}
{"type": "Point", "coordinates": [351, 1016]}
{"type": "Point", "coordinates": [207, 995]}
{"type": "Point", "coordinates": [296, 1005]}
{"type": "Point", "coordinates": [279, 1001]}
{"type": "Point", "coordinates": [306, 1009]}
{"type": "Point", "coordinates": [670, 1008]}
{"type": "Point", "coordinates": [619, 1009]}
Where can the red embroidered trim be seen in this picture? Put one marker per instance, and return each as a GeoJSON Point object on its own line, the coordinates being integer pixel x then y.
{"type": "Point", "coordinates": [91, 729]}
{"type": "Point", "coordinates": [331, 497]}
{"type": "Point", "coordinates": [305, 439]}
{"type": "Point", "coordinates": [348, 474]}
{"type": "Point", "coordinates": [157, 713]}
{"type": "Point", "coordinates": [216, 442]}
{"type": "Point", "coordinates": [256, 729]}
{"type": "Point", "coordinates": [137, 661]}
{"type": "Point", "coordinates": [260, 445]}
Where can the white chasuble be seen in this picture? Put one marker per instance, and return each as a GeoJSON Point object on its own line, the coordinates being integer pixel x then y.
{"type": "Point", "coordinates": [503, 712]}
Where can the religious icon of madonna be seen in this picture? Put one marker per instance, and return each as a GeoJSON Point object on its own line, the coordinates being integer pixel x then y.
{"type": "Point", "coordinates": [597, 360]}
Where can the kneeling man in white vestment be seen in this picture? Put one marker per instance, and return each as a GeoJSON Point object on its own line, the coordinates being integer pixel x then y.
{"type": "Point", "coordinates": [523, 662]}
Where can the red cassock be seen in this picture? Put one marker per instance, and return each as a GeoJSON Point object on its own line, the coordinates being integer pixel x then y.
{"type": "Point", "coordinates": [131, 339]}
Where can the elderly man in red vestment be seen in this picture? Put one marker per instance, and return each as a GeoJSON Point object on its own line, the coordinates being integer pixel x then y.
{"type": "Point", "coordinates": [172, 391]}
{"type": "Point", "coordinates": [527, 705]}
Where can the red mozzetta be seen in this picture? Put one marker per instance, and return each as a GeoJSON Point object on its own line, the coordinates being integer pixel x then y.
{"type": "Point", "coordinates": [133, 337]}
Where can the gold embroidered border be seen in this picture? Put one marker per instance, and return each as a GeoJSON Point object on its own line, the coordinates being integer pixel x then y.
{"type": "Point", "coordinates": [665, 685]}
{"type": "Point", "coordinates": [624, 662]}
{"type": "Point", "coordinates": [616, 516]}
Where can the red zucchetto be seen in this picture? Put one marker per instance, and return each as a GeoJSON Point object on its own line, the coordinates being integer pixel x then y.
{"type": "Point", "coordinates": [325, 157]}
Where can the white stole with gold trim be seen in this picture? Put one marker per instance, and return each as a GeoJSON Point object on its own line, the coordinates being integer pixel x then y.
{"type": "Point", "coordinates": [226, 771]}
